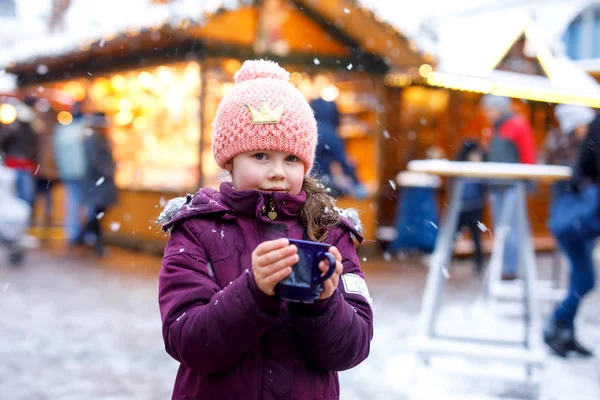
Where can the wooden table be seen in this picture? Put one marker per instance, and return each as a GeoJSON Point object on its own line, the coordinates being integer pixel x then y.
{"type": "Point", "coordinates": [530, 351]}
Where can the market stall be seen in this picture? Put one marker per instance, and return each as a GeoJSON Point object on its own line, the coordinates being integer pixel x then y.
{"type": "Point", "coordinates": [160, 85]}
{"type": "Point", "coordinates": [438, 106]}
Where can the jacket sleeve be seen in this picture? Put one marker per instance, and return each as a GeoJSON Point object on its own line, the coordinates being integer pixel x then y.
{"type": "Point", "coordinates": [201, 322]}
{"type": "Point", "coordinates": [526, 143]}
{"type": "Point", "coordinates": [336, 333]}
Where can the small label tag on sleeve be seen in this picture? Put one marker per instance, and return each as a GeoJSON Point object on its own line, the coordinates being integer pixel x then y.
{"type": "Point", "coordinates": [356, 285]}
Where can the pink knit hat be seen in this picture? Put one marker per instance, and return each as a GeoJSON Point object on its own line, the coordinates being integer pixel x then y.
{"type": "Point", "coordinates": [264, 111]}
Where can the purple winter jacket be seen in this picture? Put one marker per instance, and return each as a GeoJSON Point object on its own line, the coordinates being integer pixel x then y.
{"type": "Point", "coordinates": [235, 342]}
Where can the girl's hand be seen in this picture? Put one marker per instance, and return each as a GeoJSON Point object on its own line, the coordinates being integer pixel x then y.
{"type": "Point", "coordinates": [331, 284]}
{"type": "Point", "coordinates": [272, 262]}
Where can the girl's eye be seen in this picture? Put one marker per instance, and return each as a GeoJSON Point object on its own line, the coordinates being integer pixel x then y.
{"type": "Point", "coordinates": [260, 156]}
{"type": "Point", "coordinates": [292, 159]}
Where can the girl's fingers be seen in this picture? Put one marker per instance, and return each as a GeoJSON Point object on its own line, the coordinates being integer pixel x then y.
{"type": "Point", "coordinates": [278, 276]}
{"type": "Point", "coordinates": [336, 253]}
{"type": "Point", "coordinates": [339, 267]}
{"type": "Point", "coordinates": [282, 263]}
{"type": "Point", "coordinates": [276, 255]}
{"type": "Point", "coordinates": [266, 247]}
{"type": "Point", "coordinates": [324, 267]}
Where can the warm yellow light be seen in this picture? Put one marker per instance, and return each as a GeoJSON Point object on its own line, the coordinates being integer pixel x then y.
{"type": "Point", "coordinates": [231, 66]}
{"type": "Point", "coordinates": [64, 117]}
{"type": "Point", "coordinates": [8, 113]}
{"type": "Point", "coordinates": [119, 83]}
{"type": "Point", "coordinates": [192, 73]}
{"type": "Point", "coordinates": [330, 93]}
{"type": "Point", "coordinates": [146, 80]}
{"type": "Point", "coordinates": [100, 88]}
{"type": "Point", "coordinates": [75, 89]}
{"type": "Point", "coordinates": [296, 78]}
{"type": "Point", "coordinates": [193, 67]}
{"type": "Point", "coordinates": [164, 75]}
{"type": "Point", "coordinates": [425, 70]}
{"type": "Point", "coordinates": [124, 104]}
{"type": "Point", "coordinates": [140, 123]}
{"type": "Point", "coordinates": [123, 118]}
{"type": "Point", "coordinates": [225, 88]}
{"type": "Point", "coordinates": [480, 85]}
{"type": "Point", "coordinates": [119, 137]}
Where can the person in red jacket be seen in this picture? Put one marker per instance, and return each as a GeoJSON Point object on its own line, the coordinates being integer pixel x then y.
{"type": "Point", "coordinates": [512, 142]}
{"type": "Point", "coordinates": [228, 249]}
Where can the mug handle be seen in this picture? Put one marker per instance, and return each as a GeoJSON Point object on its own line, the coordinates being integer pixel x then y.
{"type": "Point", "coordinates": [330, 257]}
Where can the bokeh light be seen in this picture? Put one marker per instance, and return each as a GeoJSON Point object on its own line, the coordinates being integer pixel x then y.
{"type": "Point", "coordinates": [8, 113]}
{"type": "Point", "coordinates": [64, 118]}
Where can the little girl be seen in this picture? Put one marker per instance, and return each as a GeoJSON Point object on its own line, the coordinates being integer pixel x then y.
{"type": "Point", "coordinates": [228, 249]}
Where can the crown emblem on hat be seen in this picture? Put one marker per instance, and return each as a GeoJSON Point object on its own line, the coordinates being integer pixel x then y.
{"type": "Point", "coordinates": [265, 115]}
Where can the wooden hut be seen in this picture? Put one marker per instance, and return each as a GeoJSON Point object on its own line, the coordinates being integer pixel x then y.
{"type": "Point", "coordinates": [160, 70]}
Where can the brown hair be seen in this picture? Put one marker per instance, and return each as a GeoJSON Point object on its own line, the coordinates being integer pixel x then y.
{"type": "Point", "coordinates": [317, 214]}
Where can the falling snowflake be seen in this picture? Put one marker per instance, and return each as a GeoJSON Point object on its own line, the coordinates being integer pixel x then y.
{"type": "Point", "coordinates": [349, 67]}
{"type": "Point", "coordinates": [115, 226]}
{"type": "Point", "coordinates": [100, 215]}
{"type": "Point", "coordinates": [37, 170]}
{"type": "Point", "coordinates": [222, 235]}
{"type": "Point", "coordinates": [364, 258]}
{"type": "Point", "coordinates": [445, 272]}
{"type": "Point", "coordinates": [346, 11]}
{"type": "Point", "coordinates": [482, 226]}
{"type": "Point", "coordinates": [316, 61]}
{"type": "Point", "coordinates": [100, 181]}
{"type": "Point", "coordinates": [326, 147]}
{"type": "Point", "coordinates": [101, 44]}
{"type": "Point", "coordinates": [181, 250]}
{"type": "Point", "coordinates": [181, 316]}
{"type": "Point", "coordinates": [387, 256]}
{"type": "Point", "coordinates": [386, 134]}
{"type": "Point", "coordinates": [211, 273]}
{"type": "Point", "coordinates": [42, 69]}
{"type": "Point", "coordinates": [433, 224]}
{"type": "Point", "coordinates": [162, 202]}
{"type": "Point", "coordinates": [216, 302]}
{"type": "Point", "coordinates": [392, 184]}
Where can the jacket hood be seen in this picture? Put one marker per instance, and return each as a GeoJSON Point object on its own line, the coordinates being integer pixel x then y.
{"type": "Point", "coordinates": [229, 203]}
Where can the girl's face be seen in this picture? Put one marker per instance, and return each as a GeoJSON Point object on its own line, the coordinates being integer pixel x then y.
{"type": "Point", "coordinates": [268, 171]}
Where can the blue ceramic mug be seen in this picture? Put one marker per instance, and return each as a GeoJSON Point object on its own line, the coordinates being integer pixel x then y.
{"type": "Point", "coordinates": [304, 284]}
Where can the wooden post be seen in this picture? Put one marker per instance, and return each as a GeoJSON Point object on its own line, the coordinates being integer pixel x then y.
{"type": "Point", "coordinates": [394, 155]}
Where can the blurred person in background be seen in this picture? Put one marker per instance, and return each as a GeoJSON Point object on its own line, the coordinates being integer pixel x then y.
{"type": "Point", "coordinates": [46, 175]}
{"type": "Point", "coordinates": [69, 154]}
{"type": "Point", "coordinates": [19, 143]}
{"type": "Point", "coordinates": [472, 201]}
{"type": "Point", "coordinates": [512, 142]}
{"type": "Point", "coordinates": [562, 147]}
{"type": "Point", "coordinates": [99, 189]}
{"type": "Point", "coordinates": [331, 151]}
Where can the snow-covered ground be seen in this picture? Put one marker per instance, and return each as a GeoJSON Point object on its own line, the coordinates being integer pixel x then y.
{"type": "Point", "coordinates": [73, 328]}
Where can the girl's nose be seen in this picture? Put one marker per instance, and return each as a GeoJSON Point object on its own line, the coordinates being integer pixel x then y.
{"type": "Point", "coordinates": [277, 172]}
